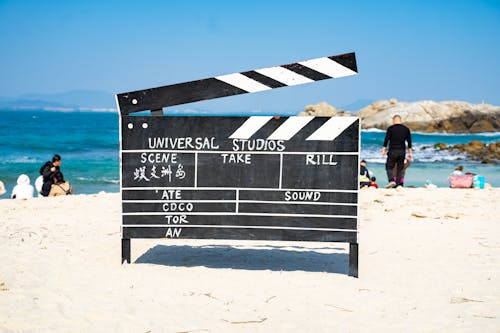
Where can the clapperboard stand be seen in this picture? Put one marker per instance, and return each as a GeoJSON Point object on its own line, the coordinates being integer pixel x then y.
{"type": "Point", "coordinates": [243, 178]}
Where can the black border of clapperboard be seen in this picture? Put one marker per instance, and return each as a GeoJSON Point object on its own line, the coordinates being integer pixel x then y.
{"type": "Point", "coordinates": [155, 99]}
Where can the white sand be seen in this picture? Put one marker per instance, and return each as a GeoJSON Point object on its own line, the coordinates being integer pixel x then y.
{"type": "Point", "coordinates": [429, 262]}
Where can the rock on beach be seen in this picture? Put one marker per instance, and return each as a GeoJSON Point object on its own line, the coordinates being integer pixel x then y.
{"type": "Point", "coordinates": [431, 116]}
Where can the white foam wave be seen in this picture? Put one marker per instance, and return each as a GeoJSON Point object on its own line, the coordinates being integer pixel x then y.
{"type": "Point", "coordinates": [21, 159]}
{"type": "Point", "coordinates": [103, 180]}
{"type": "Point", "coordinates": [429, 155]}
{"type": "Point", "coordinates": [375, 160]}
{"type": "Point", "coordinates": [487, 134]}
{"type": "Point", "coordinates": [372, 130]}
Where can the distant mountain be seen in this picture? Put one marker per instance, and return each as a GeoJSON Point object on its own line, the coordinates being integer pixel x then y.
{"type": "Point", "coordinates": [70, 100]}
{"type": "Point", "coordinates": [14, 103]}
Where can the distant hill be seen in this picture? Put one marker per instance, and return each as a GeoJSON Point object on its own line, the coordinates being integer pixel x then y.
{"type": "Point", "coordinates": [70, 100]}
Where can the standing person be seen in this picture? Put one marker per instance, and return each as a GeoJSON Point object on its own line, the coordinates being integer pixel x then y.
{"type": "Point", "coordinates": [48, 170]}
{"type": "Point", "coordinates": [23, 189]}
{"type": "Point", "coordinates": [396, 137]}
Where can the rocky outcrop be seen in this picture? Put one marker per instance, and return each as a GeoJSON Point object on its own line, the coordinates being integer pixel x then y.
{"type": "Point", "coordinates": [477, 150]}
{"type": "Point", "coordinates": [323, 109]}
{"type": "Point", "coordinates": [430, 116]}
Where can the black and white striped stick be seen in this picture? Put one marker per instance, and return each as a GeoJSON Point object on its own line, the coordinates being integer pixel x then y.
{"type": "Point", "coordinates": [238, 83]}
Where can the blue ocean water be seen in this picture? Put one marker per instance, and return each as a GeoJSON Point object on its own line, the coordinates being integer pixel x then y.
{"type": "Point", "coordinates": [87, 142]}
{"type": "Point", "coordinates": [429, 163]}
{"type": "Point", "coordinates": [89, 145]}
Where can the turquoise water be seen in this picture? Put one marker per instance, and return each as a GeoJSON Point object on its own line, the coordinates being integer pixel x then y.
{"type": "Point", "coordinates": [429, 163]}
{"type": "Point", "coordinates": [88, 144]}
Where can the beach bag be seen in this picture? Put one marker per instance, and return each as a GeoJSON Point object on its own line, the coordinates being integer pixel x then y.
{"type": "Point", "coordinates": [58, 189]}
{"type": "Point", "coordinates": [67, 191]}
{"type": "Point", "coordinates": [461, 181]}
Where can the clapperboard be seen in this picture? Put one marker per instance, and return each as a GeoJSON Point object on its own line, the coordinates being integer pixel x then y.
{"type": "Point", "coordinates": [245, 178]}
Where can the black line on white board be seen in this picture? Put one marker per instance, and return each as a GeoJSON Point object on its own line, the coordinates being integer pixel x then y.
{"type": "Point", "coordinates": [307, 72]}
{"type": "Point", "coordinates": [265, 80]}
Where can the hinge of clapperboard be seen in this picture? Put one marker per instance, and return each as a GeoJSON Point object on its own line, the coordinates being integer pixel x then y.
{"type": "Point", "coordinates": [155, 99]}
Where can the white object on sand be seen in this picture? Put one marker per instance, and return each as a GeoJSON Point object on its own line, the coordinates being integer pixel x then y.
{"type": "Point", "coordinates": [2, 188]}
{"type": "Point", "coordinates": [23, 189]}
{"type": "Point", "coordinates": [39, 184]}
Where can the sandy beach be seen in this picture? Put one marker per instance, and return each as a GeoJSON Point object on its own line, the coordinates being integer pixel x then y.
{"type": "Point", "coordinates": [429, 262]}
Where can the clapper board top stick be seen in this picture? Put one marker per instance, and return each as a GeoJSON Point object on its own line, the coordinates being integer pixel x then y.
{"type": "Point", "coordinates": [248, 178]}
{"type": "Point", "coordinates": [238, 83]}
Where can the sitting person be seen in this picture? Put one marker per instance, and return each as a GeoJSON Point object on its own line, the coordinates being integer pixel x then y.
{"type": "Point", "coordinates": [59, 186]}
{"type": "Point", "coordinates": [2, 189]}
{"type": "Point", "coordinates": [459, 171]}
{"type": "Point", "coordinates": [373, 182]}
{"type": "Point", "coordinates": [23, 189]}
{"type": "Point", "coordinates": [364, 175]}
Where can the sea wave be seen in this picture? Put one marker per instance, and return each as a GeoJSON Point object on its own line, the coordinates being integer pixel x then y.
{"type": "Point", "coordinates": [372, 130]}
{"type": "Point", "coordinates": [21, 160]}
{"type": "Point", "coordinates": [98, 180]}
{"type": "Point", "coordinates": [487, 134]}
{"type": "Point", "coordinates": [373, 154]}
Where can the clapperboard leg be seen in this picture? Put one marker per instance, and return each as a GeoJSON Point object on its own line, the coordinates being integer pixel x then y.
{"type": "Point", "coordinates": [353, 259]}
{"type": "Point", "coordinates": [126, 250]}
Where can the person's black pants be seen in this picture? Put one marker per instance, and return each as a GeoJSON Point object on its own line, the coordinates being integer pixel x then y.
{"type": "Point", "coordinates": [395, 157]}
{"type": "Point", "coordinates": [46, 189]}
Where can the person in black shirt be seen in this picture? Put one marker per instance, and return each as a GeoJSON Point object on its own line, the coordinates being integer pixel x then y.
{"type": "Point", "coordinates": [396, 137]}
{"type": "Point", "coordinates": [48, 170]}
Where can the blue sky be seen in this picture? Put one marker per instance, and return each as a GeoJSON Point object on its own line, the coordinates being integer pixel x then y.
{"type": "Point", "coordinates": [410, 50]}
